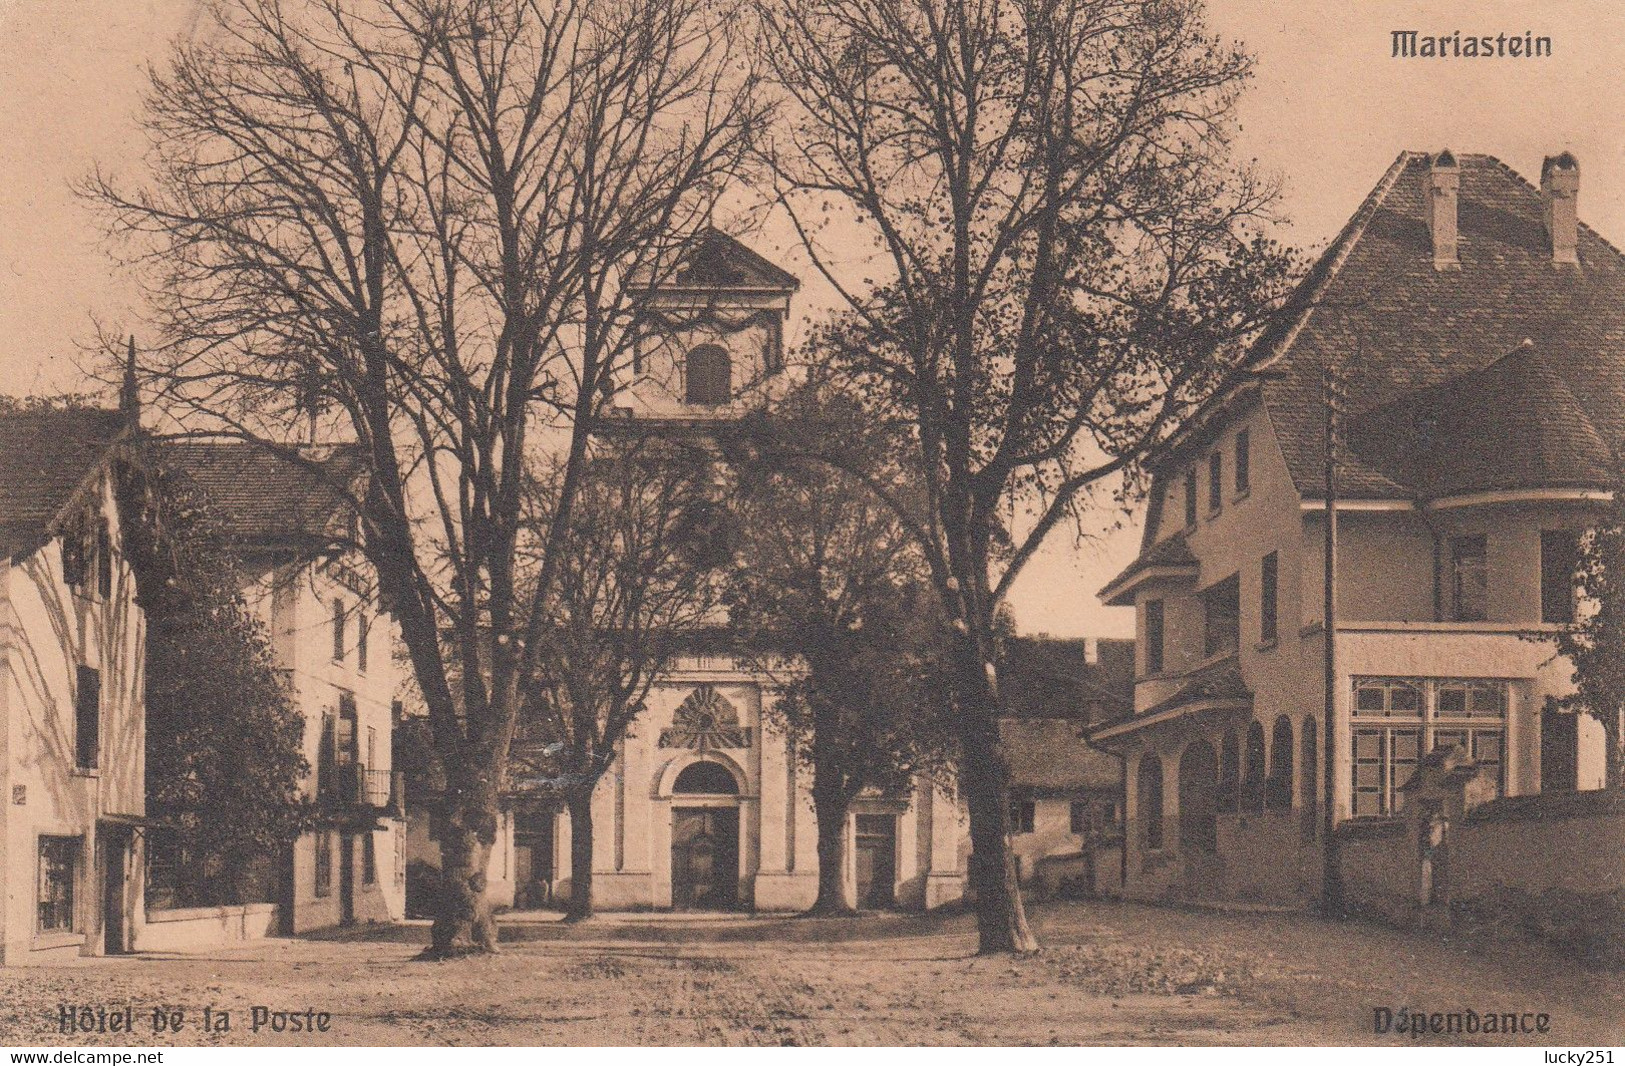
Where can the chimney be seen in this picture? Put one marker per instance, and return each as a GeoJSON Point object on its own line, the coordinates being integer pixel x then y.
{"type": "Point", "coordinates": [129, 396]}
{"type": "Point", "coordinates": [1560, 192]}
{"type": "Point", "coordinates": [1444, 182]}
{"type": "Point", "coordinates": [1091, 651]}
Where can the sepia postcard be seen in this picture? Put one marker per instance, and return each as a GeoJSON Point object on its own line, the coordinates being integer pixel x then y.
{"type": "Point", "coordinates": [859, 523]}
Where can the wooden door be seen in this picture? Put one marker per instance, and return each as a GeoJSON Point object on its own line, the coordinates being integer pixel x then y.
{"type": "Point", "coordinates": [875, 850]}
{"type": "Point", "coordinates": [113, 847]}
{"type": "Point", "coordinates": [705, 858]}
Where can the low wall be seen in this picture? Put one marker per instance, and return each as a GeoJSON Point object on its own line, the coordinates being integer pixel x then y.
{"type": "Point", "coordinates": [1380, 875]}
{"type": "Point", "coordinates": [200, 928]}
{"type": "Point", "coordinates": [1549, 865]}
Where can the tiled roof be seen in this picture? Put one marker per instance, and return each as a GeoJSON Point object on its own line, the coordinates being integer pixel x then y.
{"type": "Point", "coordinates": [1048, 691]}
{"type": "Point", "coordinates": [1399, 327]}
{"type": "Point", "coordinates": [1049, 757]}
{"type": "Point", "coordinates": [45, 456]}
{"type": "Point", "coordinates": [1216, 681]}
{"type": "Point", "coordinates": [264, 498]}
{"type": "Point", "coordinates": [1172, 551]}
{"type": "Point", "coordinates": [1516, 424]}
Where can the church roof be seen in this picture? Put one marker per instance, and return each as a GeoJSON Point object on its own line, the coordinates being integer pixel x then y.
{"type": "Point", "coordinates": [45, 456]}
{"type": "Point", "coordinates": [715, 260]}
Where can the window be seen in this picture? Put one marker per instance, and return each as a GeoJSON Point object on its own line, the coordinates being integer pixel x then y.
{"type": "Point", "coordinates": [369, 858]}
{"type": "Point", "coordinates": [104, 560]}
{"type": "Point", "coordinates": [1078, 818]}
{"type": "Point", "coordinates": [1278, 792]}
{"type": "Point", "coordinates": [1244, 463]}
{"type": "Point", "coordinates": [1153, 636]}
{"type": "Point", "coordinates": [1252, 790]}
{"type": "Point", "coordinates": [74, 563]}
{"type": "Point", "coordinates": [87, 718]}
{"type": "Point", "coordinates": [1190, 498]}
{"type": "Point", "coordinates": [351, 788]}
{"type": "Point", "coordinates": [1384, 759]}
{"type": "Point", "coordinates": [1021, 816]}
{"type": "Point", "coordinates": [1268, 597]}
{"type": "Point", "coordinates": [708, 376]}
{"type": "Point", "coordinates": [324, 862]}
{"type": "Point", "coordinates": [1559, 559]}
{"type": "Point", "coordinates": [706, 778]}
{"type": "Point", "coordinates": [1310, 788]}
{"type": "Point", "coordinates": [1215, 482]}
{"type": "Point", "coordinates": [326, 768]}
{"type": "Point", "coordinates": [338, 630]}
{"type": "Point", "coordinates": [1469, 583]}
{"type": "Point", "coordinates": [372, 748]}
{"type": "Point", "coordinates": [1227, 796]}
{"type": "Point", "coordinates": [361, 626]}
{"type": "Point", "coordinates": [58, 869]}
{"type": "Point", "coordinates": [1396, 720]}
{"type": "Point", "coordinates": [1221, 608]}
{"type": "Point", "coordinates": [1150, 802]}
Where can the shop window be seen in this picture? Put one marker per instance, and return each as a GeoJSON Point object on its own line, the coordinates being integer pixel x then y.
{"type": "Point", "coordinates": [58, 873]}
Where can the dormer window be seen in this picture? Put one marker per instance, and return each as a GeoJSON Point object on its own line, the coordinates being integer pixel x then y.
{"type": "Point", "coordinates": [708, 375]}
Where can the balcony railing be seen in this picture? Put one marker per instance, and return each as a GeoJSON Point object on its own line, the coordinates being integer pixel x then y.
{"type": "Point", "coordinates": [354, 785]}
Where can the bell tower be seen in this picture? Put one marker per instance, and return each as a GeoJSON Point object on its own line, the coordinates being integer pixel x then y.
{"type": "Point", "coordinates": [716, 334]}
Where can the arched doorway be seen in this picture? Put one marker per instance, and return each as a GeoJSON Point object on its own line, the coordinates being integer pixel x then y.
{"type": "Point", "coordinates": [704, 839]}
{"type": "Point", "coordinates": [1198, 805]}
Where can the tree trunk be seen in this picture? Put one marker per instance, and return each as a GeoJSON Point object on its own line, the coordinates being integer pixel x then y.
{"type": "Point", "coordinates": [580, 906]}
{"type": "Point", "coordinates": [463, 923]}
{"type": "Point", "coordinates": [830, 808]}
{"type": "Point", "coordinates": [1001, 920]}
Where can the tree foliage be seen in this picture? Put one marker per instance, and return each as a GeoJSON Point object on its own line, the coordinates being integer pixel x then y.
{"type": "Point", "coordinates": [640, 574]}
{"type": "Point", "coordinates": [828, 596]}
{"type": "Point", "coordinates": [1594, 643]}
{"type": "Point", "coordinates": [224, 750]}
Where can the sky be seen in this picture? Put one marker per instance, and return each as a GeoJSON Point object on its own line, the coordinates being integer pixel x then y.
{"type": "Point", "coordinates": [1328, 110]}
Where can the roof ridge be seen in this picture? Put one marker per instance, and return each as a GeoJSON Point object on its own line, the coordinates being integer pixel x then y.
{"type": "Point", "coordinates": [1337, 253]}
{"type": "Point", "coordinates": [1532, 187]}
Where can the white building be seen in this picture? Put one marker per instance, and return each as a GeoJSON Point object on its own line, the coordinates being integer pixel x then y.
{"type": "Point", "coordinates": [72, 744]}
{"type": "Point", "coordinates": [287, 520]}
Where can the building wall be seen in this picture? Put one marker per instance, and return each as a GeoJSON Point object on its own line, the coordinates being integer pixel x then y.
{"type": "Point", "coordinates": [295, 600]}
{"type": "Point", "coordinates": [1387, 628]}
{"type": "Point", "coordinates": [48, 630]}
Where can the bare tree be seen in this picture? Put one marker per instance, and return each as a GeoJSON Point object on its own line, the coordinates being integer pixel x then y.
{"type": "Point", "coordinates": [639, 575]}
{"type": "Point", "coordinates": [1045, 257]}
{"type": "Point", "coordinates": [424, 224]}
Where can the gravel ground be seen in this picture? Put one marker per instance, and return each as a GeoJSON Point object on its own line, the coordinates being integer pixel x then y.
{"type": "Point", "coordinates": [1109, 974]}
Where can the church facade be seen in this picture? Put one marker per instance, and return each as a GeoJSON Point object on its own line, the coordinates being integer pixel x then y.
{"type": "Point", "coordinates": [708, 806]}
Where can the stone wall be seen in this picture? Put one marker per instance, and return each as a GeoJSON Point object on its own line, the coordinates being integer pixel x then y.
{"type": "Point", "coordinates": [1549, 865]}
